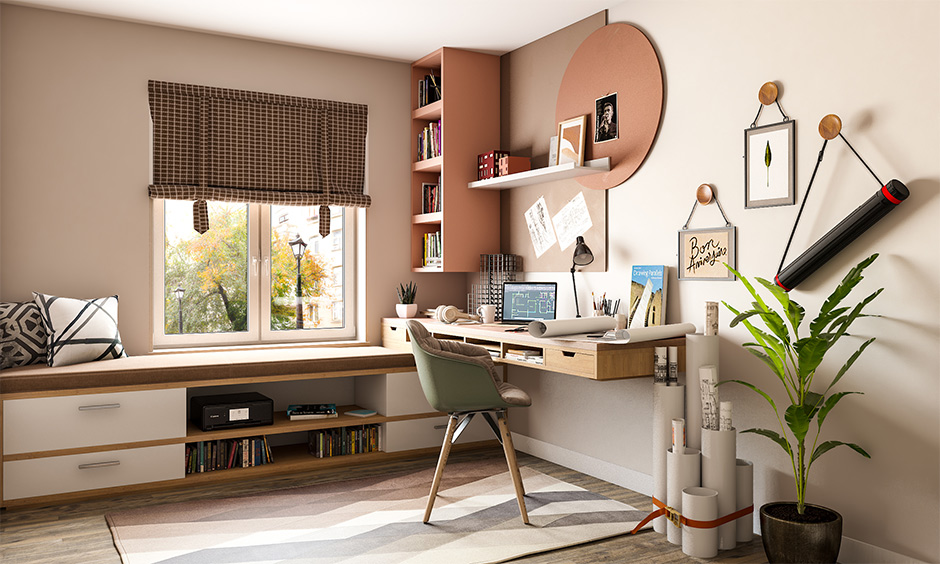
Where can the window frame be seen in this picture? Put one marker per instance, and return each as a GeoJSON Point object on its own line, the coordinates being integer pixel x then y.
{"type": "Point", "coordinates": [259, 288]}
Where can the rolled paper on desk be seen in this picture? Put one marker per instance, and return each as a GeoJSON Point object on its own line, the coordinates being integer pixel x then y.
{"type": "Point", "coordinates": [557, 327]}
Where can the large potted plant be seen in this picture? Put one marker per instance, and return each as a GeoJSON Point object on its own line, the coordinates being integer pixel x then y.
{"type": "Point", "coordinates": [798, 531]}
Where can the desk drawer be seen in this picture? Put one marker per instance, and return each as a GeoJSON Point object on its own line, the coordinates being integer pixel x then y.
{"type": "Point", "coordinates": [42, 424]}
{"type": "Point", "coordinates": [395, 337]}
{"type": "Point", "coordinates": [570, 362]}
{"type": "Point", "coordinates": [79, 472]}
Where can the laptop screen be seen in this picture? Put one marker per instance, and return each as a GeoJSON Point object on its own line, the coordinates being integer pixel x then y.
{"type": "Point", "coordinates": [528, 301]}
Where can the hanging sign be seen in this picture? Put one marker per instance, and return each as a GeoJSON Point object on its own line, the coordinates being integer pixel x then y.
{"type": "Point", "coordinates": [704, 252]}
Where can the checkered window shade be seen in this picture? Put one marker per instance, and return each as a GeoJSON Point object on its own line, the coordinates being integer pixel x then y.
{"type": "Point", "coordinates": [239, 146]}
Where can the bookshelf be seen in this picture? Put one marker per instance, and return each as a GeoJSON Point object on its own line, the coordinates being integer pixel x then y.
{"type": "Point", "coordinates": [467, 113]}
{"type": "Point", "coordinates": [540, 175]}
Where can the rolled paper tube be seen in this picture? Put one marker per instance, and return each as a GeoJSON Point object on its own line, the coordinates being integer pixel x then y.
{"type": "Point", "coordinates": [744, 473]}
{"type": "Point", "coordinates": [719, 473]}
{"type": "Point", "coordinates": [668, 404]}
{"type": "Point", "coordinates": [682, 471]}
{"type": "Point", "coordinates": [724, 421]}
{"type": "Point", "coordinates": [708, 378]}
{"type": "Point", "coordinates": [673, 366]}
{"type": "Point", "coordinates": [678, 436]}
{"type": "Point", "coordinates": [700, 504]}
{"type": "Point", "coordinates": [660, 370]}
{"type": "Point", "coordinates": [700, 350]}
{"type": "Point", "coordinates": [711, 319]}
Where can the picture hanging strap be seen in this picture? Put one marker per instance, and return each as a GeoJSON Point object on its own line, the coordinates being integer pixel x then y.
{"type": "Point", "coordinates": [829, 127]}
{"type": "Point", "coordinates": [768, 95]}
{"type": "Point", "coordinates": [786, 118]}
{"type": "Point", "coordinates": [696, 202]}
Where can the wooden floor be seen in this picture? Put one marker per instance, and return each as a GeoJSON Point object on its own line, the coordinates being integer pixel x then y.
{"type": "Point", "coordinates": [77, 533]}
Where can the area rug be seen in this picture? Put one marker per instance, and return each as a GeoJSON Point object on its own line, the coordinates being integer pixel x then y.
{"type": "Point", "coordinates": [376, 521]}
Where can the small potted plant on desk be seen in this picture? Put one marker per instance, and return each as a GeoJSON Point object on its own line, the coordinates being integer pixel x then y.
{"type": "Point", "coordinates": [797, 531]}
{"type": "Point", "coordinates": [406, 306]}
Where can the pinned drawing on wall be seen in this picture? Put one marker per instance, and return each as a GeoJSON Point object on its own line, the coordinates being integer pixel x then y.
{"type": "Point", "coordinates": [571, 221]}
{"type": "Point", "coordinates": [605, 118]}
{"type": "Point", "coordinates": [571, 140]}
{"type": "Point", "coordinates": [770, 157]}
{"type": "Point", "coordinates": [704, 252]}
{"type": "Point", "coordinates": [540, 227]}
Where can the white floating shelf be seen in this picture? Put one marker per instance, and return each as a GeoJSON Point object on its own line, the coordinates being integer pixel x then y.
{"type": "Point", "coordinates": [539, 175]}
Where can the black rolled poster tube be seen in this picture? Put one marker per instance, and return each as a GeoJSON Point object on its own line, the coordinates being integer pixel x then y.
{"type": "Point", "coordinates": [854, 224]}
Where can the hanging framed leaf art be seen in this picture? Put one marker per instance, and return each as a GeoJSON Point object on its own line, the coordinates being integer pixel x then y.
{"type": "Point", "coordinates": [770, 165]}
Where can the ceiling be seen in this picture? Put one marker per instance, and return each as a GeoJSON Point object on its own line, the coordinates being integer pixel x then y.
{"type": "Point", "coordinates": [400, 30]}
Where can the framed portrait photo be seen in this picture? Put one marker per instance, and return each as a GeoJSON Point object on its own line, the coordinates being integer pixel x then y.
{"type": "Point", "coordinates": [770, 165]}
{"type": "Point", "coordinates": [704, 252]}
{"type": "Point", "coordinates": [571, 141]}
{"type": "Point", "coordinates": [605, 118]}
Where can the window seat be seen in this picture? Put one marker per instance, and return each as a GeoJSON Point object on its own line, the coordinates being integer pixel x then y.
{"type": "Point", "coordinates": [206, 368]}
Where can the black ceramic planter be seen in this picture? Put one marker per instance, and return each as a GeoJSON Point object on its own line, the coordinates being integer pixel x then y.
{"type": "Point", "coordinates": [816, 538]}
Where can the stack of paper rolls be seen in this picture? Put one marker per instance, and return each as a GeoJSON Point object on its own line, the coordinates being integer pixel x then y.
{"type": "Point", "coordinates": [700, 350]}
{"type": "Point", "coordinates": [668, 404]}
{"type": "Point", "coordinates": [719, 473]}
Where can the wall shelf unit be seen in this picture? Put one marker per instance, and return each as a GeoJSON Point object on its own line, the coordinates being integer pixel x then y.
{"type": "Point", "coordinates": [468, 222]}
{"type": "Point", "coordinates": [540, 175]}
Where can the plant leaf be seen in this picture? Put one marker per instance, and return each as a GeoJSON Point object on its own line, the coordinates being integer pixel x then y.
{"type": "Point", "coordinates": [831, 402]}
{"type": "Point", "coordinates": [849, 281]}
{"type": "Point", "coordinates": [848, 364]}
{"type": "Point", "coordinates": [774, 436]}
{"type": "Point", "coordinates": [810, 351]}
{"type": "Point", "coordinates": [822, 320]}
{"type": "Point", "coordinates": [853, 315]}
{"type": "Point", "coordinates": [793, 310]}
{"type": "Point", "coordinates": [811, 403]}
{"type": "Point", "coordinates": [767, 155]}
{"type": "Point", "coordinates": [829, 445]}
{"type": "Point", "coordinates": [756, 389]}
{"type": "Point", "coordinates": [797, 420]}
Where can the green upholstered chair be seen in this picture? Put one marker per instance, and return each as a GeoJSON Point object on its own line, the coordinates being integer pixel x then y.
{"type": "Point", "coordinates": [461, 380]}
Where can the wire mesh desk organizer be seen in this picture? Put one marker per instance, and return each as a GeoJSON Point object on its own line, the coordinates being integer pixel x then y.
{"type": "Point", "coordinates": [847, 230]}
{"type": "Point", "coordinates": [494, 270]}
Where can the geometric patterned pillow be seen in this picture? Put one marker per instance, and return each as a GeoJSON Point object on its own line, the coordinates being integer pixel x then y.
{"type": "Point", "coordinates": [22, 335]}
{"type": "Point", "coordinates": [80, 330]}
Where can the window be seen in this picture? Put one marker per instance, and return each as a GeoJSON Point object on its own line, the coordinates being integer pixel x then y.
{"type": "Point", "coordinates": [238, 282]}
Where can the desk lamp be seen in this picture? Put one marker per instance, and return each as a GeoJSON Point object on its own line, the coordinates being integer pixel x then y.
{"type": "Point", "coordinates": [582, 257]}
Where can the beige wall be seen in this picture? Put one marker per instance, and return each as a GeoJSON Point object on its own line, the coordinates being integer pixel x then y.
{"type": "Point", "coordinates": [877, 65]}
{"type": "Point", "coordinates": [73, 192]}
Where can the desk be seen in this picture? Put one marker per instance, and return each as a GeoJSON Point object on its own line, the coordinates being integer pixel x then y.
{"type": "Point", "coordinates": [594, 360]}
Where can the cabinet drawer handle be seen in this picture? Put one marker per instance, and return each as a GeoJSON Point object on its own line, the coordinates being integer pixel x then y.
{"type": "Point", "coordinates": [100, 406]}
{"type": "Point", "coordinates": [94, 465]}
{"type": "Point", "coordinates": [569, 354]}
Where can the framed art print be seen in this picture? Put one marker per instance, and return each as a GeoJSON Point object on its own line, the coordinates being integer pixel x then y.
{"type": "Point", "coordinates": [770, 165]}
{"type": "Point", "coordinates": [571, 141]}
{"type": "Point", "coordinates": [704, 252]}
{"type": "Point", "coordinates": [605, 118]}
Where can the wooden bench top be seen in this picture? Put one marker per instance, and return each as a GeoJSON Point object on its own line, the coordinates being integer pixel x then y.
{"type": "Point", "coordinates": [213, 367]}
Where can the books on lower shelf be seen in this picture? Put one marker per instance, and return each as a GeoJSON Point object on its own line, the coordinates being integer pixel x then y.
{"type": "Point", "coordinates": [433, 252]}
{"type": "Point", "coordinates": [431, 197]}
{"type": "Point", "coordinates": [222, 454]}
{"type": "Point", "coordinates": [298, 412]}
{"type": "Point", "coordinates": [430, 141]}
{"type": "Point", "coordinates": [358, 439]}
{"type": "Point", "coordinates": [525, 355]}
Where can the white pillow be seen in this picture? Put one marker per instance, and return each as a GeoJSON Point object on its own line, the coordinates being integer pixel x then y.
{"type": "Point", "coordinates": [80, 330]}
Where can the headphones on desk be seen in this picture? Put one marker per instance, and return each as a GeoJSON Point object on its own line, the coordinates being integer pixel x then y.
{"type": "Point", "coordinates": [450, 314]}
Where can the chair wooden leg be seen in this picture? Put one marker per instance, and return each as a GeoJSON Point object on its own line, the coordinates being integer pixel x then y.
{"type": "Point", "coordinates": [441, 462]}
{"type": "Point", "coordinates": [513, 465]}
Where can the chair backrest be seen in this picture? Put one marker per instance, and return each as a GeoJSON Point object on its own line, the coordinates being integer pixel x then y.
{"type": "Point", "coordinates": [454, 376]}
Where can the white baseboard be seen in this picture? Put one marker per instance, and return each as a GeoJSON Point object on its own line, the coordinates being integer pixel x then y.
{"type": "Point", "coordinates": [601, 469]}
{"type": "Point", "coordinates": [852, 551]}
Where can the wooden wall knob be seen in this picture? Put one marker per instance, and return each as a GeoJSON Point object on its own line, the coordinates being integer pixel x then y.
{"type": "Point", "coordinates": [768, 93]}
{"type": "Point", "coordinates": [704, 194]}
{"type": "Point", "coordinates": [830, 127]}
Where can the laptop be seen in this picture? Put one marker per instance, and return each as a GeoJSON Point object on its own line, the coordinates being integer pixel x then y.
{"type": "Point", "coordinates": [528, 301]}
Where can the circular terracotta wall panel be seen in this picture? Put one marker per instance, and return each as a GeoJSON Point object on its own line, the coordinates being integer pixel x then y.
{"type": "Point", "coordinates": [616, 58]}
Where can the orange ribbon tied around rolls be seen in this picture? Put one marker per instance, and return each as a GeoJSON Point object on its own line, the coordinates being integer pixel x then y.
{"type": "Point", "coordinates": [678, 520]}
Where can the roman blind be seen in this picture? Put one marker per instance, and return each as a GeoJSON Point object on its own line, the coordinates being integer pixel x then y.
{"type": "Point", "coordinates": [230, 145]}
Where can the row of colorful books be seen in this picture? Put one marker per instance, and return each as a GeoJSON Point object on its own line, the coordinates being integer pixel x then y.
{"type": "Point", "coordinates": [299, 412]}
{"type": "Point", "coordinates": [430, 141]}
{"type": "Point", "coordinates": [431, 197]}
{"type": "Point", "coordinates": [433, 249]}
{"type": "Point", "coordinates": [429, 89]}
{"type": "Point", "coordinates": [324, 443]}
{"type": "Point", "coordinates": [221, 454]}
